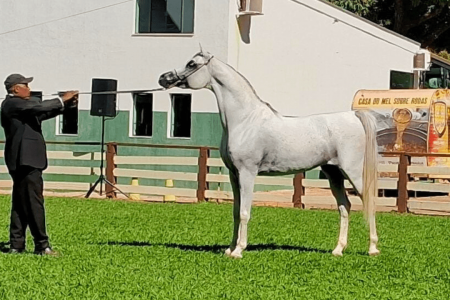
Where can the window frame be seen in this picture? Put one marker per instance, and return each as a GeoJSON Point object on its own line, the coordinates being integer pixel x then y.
{"type": "Point", "coordinates": [445, 74]}
{"type": "Point", "coordinates": [412, 78]}
{"type": "Point", "coordinates": [37, 94]}
{"type": "Point", "coordinates": [134, 119]}
{"type": "Point", "coordinates": [161, 34]}
{"type": "Point", "coordinates": [171, 118]}
{"type": "Point", "coordinates": [60, 121]}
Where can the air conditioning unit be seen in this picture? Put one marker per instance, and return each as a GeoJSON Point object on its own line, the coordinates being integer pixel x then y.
{"type": "Point", "coordinates": [250, 7]}
{"type": "Point", "coordinates": [422, 61]}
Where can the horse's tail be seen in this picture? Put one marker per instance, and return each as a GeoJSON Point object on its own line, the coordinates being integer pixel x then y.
{"type": "Point", "coordinates": [370, 166]}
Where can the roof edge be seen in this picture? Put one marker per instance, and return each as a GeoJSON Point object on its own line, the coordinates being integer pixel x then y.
{"type": "Point", "coordinates": [371, 23]}
{"type": "Point", "coordinates": [440, 59]}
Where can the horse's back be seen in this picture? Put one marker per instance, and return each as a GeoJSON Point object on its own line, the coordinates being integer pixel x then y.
{"type": "Point", "coordinates": [303, 143]}
{"type": "Point", "coordinates": [325, 130]}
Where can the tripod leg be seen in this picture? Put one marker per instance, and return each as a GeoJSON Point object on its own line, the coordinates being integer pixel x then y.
{"type": "Point", "coordinates": [114, 187]}
{"type": "Point", "coordinates": [93, 187]}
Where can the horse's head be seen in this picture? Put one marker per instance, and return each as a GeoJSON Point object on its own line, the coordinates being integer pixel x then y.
{"type": "Point", "coordinates": [194, 75]}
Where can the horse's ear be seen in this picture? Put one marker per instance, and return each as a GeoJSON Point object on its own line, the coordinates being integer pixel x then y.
{"type": "Point", "coordinates": [201, 49]}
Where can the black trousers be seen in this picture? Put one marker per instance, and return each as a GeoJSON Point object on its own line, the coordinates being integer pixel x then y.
{"type": "Point", "coordinates": [28, 208]}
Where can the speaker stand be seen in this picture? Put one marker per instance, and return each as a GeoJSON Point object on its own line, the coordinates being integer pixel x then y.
{"type": "Point", "coordinates": [102, 179]}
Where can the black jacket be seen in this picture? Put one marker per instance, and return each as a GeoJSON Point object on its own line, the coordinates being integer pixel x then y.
{"type": "Point", "coordinates": [21, 120]}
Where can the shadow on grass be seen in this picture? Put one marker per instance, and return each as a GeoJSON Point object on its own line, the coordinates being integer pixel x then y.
{"type": "Point", "coordinates": [218, 248]}
{"type": "Point", "coordinates": [4, 247]}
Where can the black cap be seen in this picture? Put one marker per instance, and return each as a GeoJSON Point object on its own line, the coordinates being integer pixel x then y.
{"type": "Point", "coordinates": [14, 79]}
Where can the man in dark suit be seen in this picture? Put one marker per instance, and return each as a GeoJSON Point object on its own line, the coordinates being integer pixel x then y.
{"type": "Point", "coordinates": [26, 158]}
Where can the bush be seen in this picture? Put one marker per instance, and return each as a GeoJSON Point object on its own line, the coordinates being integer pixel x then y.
{"type": "Point", "coordinates": [444, 54]}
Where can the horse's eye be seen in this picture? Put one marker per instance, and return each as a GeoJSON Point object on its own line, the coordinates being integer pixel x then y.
{"type": "Point", "coordinates": [191, 64]}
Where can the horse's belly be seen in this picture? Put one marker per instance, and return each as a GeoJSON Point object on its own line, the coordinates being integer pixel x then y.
{"type": "Point", "coordinates": [292, 149]}
{"type": "Point", "coordinates": [284, 162]}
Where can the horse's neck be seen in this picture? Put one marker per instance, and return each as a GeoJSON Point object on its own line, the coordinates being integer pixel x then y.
{"type": "Point", "coordinates": [236, 98]}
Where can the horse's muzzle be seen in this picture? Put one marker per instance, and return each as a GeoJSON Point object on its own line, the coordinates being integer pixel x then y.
{"type": "Point", "coordinates": [169, 79]}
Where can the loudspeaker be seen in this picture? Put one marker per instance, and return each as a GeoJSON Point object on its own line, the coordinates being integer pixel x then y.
{"type": "Point", "coordinates": [103, 105]}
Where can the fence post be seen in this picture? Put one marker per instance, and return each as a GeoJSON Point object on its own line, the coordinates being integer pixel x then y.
{"type": "Point", "coordinates": [299, 190]}
{"type": "Point", "coordinates": [202, 171]}
{"type": "Point", "coordinates": [111, 151]}
{"type": "Point", "coordinates": [402, 185]}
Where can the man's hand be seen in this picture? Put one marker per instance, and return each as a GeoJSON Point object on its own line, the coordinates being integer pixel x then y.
{"type": "Point", "coordinates": [69, 96]}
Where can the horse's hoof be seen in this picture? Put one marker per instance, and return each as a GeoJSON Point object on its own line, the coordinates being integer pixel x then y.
{"type": "Point", "coordinates": [236, 255]}
{"type": "Point", "coordinates": [338, 251]}
{"type": "Point", "coordinates": [233, 254]}
{"type": "Point", "coordinates": [374, 252]}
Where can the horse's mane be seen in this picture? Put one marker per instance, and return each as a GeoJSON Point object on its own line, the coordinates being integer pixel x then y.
{"type": "Point", "coordinates": [253, 90]}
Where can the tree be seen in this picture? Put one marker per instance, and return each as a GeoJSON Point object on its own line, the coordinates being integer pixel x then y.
{"type": "Point", "coordinates": [359, 7]}
{"type": "Point", "coordinates": [425, 21]}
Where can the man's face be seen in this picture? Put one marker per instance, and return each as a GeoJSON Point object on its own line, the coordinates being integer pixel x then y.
{"type": "Point", "coordinates": [22, 90]}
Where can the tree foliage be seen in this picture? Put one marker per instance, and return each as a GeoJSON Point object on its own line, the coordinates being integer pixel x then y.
{"type": "Point", "coordinates": [425, 21]}
{"type": "Point", "coordinates": [360, 7]}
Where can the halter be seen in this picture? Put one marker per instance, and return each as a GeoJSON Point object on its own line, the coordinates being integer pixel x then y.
{"type": "Point", "coordinates": [183, 77]}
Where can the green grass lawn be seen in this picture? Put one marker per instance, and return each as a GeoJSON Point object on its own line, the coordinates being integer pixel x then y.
{"type": "Point", "coordinates": [122, 250]}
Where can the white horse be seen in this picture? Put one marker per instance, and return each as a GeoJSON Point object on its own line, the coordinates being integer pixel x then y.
{"type": "Point", "coordinates": [257, 139]}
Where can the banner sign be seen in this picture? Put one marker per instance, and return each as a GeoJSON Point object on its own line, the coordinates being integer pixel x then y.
{"type": "Point", "coordinates": [410, 120]}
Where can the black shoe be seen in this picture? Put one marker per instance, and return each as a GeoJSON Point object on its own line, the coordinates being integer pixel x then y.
{"type": "Point", "coordinates": [15, 251]}
{"type": "Point", "coordinates": [47, 251]}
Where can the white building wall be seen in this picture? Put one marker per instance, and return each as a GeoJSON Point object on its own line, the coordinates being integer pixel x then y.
{"type": "Point", "coordinates": [307, 57]}
{"type": "Point", "coordinates": [302, 56]}
{"type": "Point", "coordinates": [80, 40]}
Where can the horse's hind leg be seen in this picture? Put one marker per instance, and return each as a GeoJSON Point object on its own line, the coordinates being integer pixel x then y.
{"type": "Point", "coordinates": [353, 174]}
{"type": "Point", "coordinates": [336, 179]}
{"type": "Point", "coordinates": [236, 211]}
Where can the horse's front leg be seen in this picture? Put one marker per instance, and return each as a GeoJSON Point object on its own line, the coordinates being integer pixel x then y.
{"type": "Point", "coordinates": [236, 209]}
{"type": "Point", "coordinates": [246, 183]}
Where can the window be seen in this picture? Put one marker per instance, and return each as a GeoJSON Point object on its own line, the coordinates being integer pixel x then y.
{"type": "Point", "coordinates": [164, 16]}
{"type": "Point", "coordinates": [401, 80]}
{"type": "Point", "coordinates": [181, 115]}
{"type": "Point", "coordinates": [438, 77]}
{"type": "Point", "coordinates": [143, 114]}
{"type": "Point", "coordinates": [68, 121]}
{"type": "Point", "coordinates": [36, 94]}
